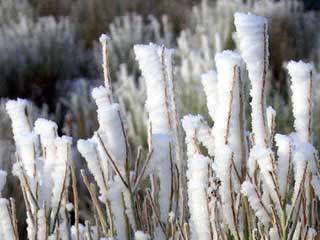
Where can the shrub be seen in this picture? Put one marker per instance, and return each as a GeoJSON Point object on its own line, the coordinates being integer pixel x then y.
{"type": "Point", "coordinates": [228, 183]}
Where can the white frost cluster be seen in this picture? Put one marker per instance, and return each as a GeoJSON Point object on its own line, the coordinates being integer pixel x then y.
{"type": "Point", "coordinates": [191, 124]}
{"type": "Point", "coordinates": [26, 148]}
{"type": "Point", "coordinates": [150, 64]}
{"type": "Point", "coordinates": [20, 122]}
{"type": "Point", "coordinates": [249, 190]}
{"type": "Point", "coordinates": [155, 63]}
{"type": "Point", "coordinates": [228, 126]}
{"type": "Point", "coordinates": [110, 126]}
{"type": "Point", "coordinates": [60, 172]}
{"type": "Point", "coordinates": [104, 38]}
{"type": "Point", "coordinates": [284, 153]}
{"type": "Point", "coordinates": [102, 96]}
{"type": "Point", "coordinates": [301, 86]}
{"type": "Point", "coordinates": [226, 174]}
{"type": "Point", "coordinates": [47, 130]}
{"type": "Point", "coordinates": [197, 175]}
{"type": "Point", "coordinates": [271, 118]}
{"type": "Point", "coordinates": [139, 235]}
{"type": "Point", "coordinates": [115, 197]}
{"type": "Point", "coordinates": [253, 38]}
{"type": "Point", "coordinates": [210, 85]}
{"type": "Point", "coordinates": [6, 228]}
{"type": "Point", "coordinates": [88, 150]}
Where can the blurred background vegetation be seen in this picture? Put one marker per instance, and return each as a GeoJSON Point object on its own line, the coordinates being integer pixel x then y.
{"type": "Point", "coordinates": [49, 51]}
{"type": "Point", "coordinates": [47, 43]}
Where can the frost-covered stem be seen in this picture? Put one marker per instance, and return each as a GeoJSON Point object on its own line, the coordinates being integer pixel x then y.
{"type": "Point", "coordinates": [95, 202]}
{"type": "Point", "coordinates": [271, 119]}
{"type": "Point", "coordinates": [75, 199]}
{"type": "Point", "coordinates": [151, 66]}
{"type": "Point", "coordinates": [197, 175]}
{"type": "Point", "coordinates": [301, 86]}
{"type": "Point", "coordinates": [151, 59]}
{"type": "Point", "coordinates": [17, 110]}
{"type": "Point", "coordinates": [296, 197]}
{"type": "Point", "coordinates": [113, 163]}
{"type": "Point", "coordinates": [229, 141]}
{"type": "Point", "coordinates": [13, 211]}
{"type": "Point", "coordinates": [210, 86]}
{"type": "Point", "coordinates": [88, 150]}
{"type": "Point", "coordinates": [115, 197]}
{"type": "Point", "coordinates": [42, 225]}
{"type": "Point", "coordinates": [242, 123]}
{"type": "Point", "coordinates": [60, 172]}
{"type": "Point", "coordinates": [155, 212]}
{"type": "Point", "coordinates": [249, 190]}
{"type": "Point", "coordinates": [191, 124]}
{"type": "Point", "coordinates": [47, 130]}
{"type": "Point", "coordinates": [6, 227]}
{"type": "Point", "coordinates": [105, 61]}
{"type": "Point", "coordinates": [229, 122]}
{"type": "Point", "coordinates": [284, 158]}
{"type": "Point", "coordinates": [174, 115]}
{"type": "Point", "coordinates": [252, 33]}
{"type": "Point", "coordinates": [162, 56]}
{"type": "Point", "coordinates": [139, 235]}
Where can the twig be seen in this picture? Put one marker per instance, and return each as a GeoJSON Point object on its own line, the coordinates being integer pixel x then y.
{"type": "Point", "coordinates": [75, 199]}
{"type": "Point", "coordinates": [112, 161]}
{"type": "Point", "coordinates": [95, 201]}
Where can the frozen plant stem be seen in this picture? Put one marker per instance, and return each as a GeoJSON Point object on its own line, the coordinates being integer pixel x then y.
{"type": "Point", "coordinates": [252, 34]}
{"type": "Point", "coordinates": [105, 60]}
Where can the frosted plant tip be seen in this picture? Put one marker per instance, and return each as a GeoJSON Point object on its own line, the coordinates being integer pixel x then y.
{"type": "Point", "coordinates": [104, 38]}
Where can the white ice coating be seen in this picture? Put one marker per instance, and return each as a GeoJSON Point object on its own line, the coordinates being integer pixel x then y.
{"type": "Point", "coordinates": [274, 234]}
{"type": "Point", "coordinates": [114, 195]}
{"type": "Point", "coordinates": [60, 172]}
{"type": "Point", "coordinates": [26, 150]}
{"type": "Point", "coordinates": [205, 136]}
{"type": "Point", "coordinates": [284, 154]}
{"type": "Point", "coordinates": [102, 96]}
{"type": "Point", "coordinates": [299, 161]}
{"type": "Point", "coordinates": [227, 128]}
{"type": "Point", "coordinates": [103, 158]}
{"type": "Point", "coordinates": [263, 158]}
{"type": "Point", "coordinates": [249, 190]}
{"type": "Point", "coordinates": [6, 228]}
{"type": "Point", "coordinates": [161, 155]}
{"type": "Point", "coordinates": [139, 235]}
{"type": "Point", "coordinates": [110, 129]}
{"type": "Point", "coordinates": [210, 85]}
{"type": "Point", "coordinates": [301, 86]}
{"type": "Point", "coordinates": [104, 38]}
{"type": "Point", "coordinates": [315, 182]}
{"type": "Point", "coordinates": [253, 38]}
{"type": "Point", "coordinates": [191, 124]}
{"type": "Point", "coordinates": [17, 112]}
{"type": "Point", "coordinates": [197, 175]}
{"type": "Point", "coordinates": [271, 116]}
{"type": "Point", "coordinates": [112, 133]}
{"type": "Point", "coordinates": [41, 219]}
{"type": "Point", "coordinates": [155, 65]}
{"type": "Point", "coordinates": [225, 172]}
{"type": "Point", "coordinates": [47, 130]}
{"type": "Point", "coordinates": [88, 150]}
{"type": "Point", "coordinates": [156, 103]}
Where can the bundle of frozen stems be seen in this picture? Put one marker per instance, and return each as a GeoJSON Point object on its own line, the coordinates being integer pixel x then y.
{"type": "Point", "coordinates": [221, 182]}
